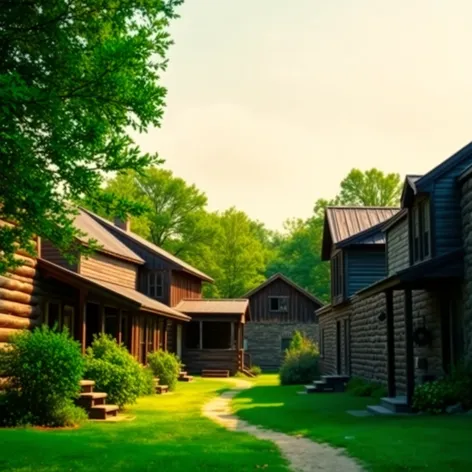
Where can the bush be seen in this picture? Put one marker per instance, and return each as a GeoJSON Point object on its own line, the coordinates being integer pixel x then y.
{"type": "Point", "coordinates": [435, 397]}
{"type": "Point", "coordinates": [114, 371]}
{"type": "Point", "coordinates": [147, 383]}
{"type": "Point", "coordinates": [300, 364]}
{"type": "Point", "coordinates": [166, 366]}
{"type": "Point", "coordinates": [362, 388]}
{"type": "Point", "coordinates": [255, 370]}
{"type": "Point", "coordinates": [45, 367]}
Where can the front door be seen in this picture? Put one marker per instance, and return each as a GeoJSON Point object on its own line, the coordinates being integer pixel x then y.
{"type": "Point", "coordinates": [338, 348]}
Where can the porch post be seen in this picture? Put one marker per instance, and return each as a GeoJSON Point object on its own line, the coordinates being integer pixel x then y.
{"type": "Point", "coordinates": [165, 335]}
{"type": "Point", "coordinates": [410, 366]}
{"type": "Point", "coordinates": [158, 335]}
{"type": "Point", "coordinates": [200, 342]}
{"type": "Point", "coordinates": [82, 320]}
{"type": "Point", "coordinates": [390, 344]}
{"type": "Point", "coordinates": [232, 335]}
{"type": "Point", "coordinates": [119, 334]}
{"type": "Point", "coordinates": [102, 318]}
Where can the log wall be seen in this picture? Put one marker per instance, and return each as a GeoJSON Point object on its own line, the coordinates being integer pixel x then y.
{"type": "Point", "coordinates": [20, 306]}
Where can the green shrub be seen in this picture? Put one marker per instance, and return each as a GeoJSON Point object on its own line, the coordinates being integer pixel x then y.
{"type": "Point", "coordinates": [147, 383]}
{"type": "Point", "coordinates": [363, 388]}
{"type": "Point", "coordinates": [45, 367]}
{"type": "Point", "coordinates": [114, 371]}
{"type": "Point", "coordinates": [300, 364]}
{"type": "Point", "coordinates": [166, 366]}
{"type": "Point", "coordinates": [255, 370]}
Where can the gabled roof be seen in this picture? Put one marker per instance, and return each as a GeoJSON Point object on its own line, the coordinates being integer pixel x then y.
{"type": "Point", "coordinates": [150, 247]}
{"type": "Point", "coordinates": [409, 189]}
{"type": "Point", "coordinates": [235, 306]}
{"type": "Point", "coordinates": [455, 159]}
{"type": "Point", "coordinates": [128, 295]}
{"type": "Point", "coordinates": [285, 279]}
{"type": "Point", "coordinates": [343, 222]}
{"type": "Point", "coordinates": [109, 244]}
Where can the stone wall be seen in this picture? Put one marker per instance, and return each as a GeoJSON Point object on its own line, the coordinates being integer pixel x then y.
{"type": "Point", "coordinates": [264, 341]}
{"type": "Point", "coordinates": [466, 209]}
{"type": "Point", "coordinates": [397, 247]}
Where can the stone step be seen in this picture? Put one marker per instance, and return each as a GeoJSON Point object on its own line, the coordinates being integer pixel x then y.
{"type": "Point", "coordinates": [396, 404]}
{"type": "Point", "coordinates": [86, 386]}
{"type": "Point", "coordinates": [102, 412]}
{"type": "Point", "coordinates": [335, 378]}
{"type": "Point", "coordinates": [379, 410]}
{"type": "Point", "coordinates": [324, 386]}
{"type": "Point", "coordinates": [310, 389]}
{"type": "Point", "coordinates": [91, 399]}
{"type": "Point", "coordinates": [183, 373]}
{"type": "Point", "coordinates": [186, 378]}
{"type": "Point", "coordinates": [160, 389]}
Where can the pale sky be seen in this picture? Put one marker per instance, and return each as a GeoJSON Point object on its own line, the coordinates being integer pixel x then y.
{"type": "Point", "coordinates": [272, 102]}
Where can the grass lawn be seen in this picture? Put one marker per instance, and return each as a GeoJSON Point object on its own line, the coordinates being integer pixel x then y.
{"type": "Point", "coordinates": [169, 434]}
{"type": "Point", "coordinates": [441, 443]}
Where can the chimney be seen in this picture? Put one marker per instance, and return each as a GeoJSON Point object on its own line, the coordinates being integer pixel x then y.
{"type": "Point", "coordinates": [125, 225]}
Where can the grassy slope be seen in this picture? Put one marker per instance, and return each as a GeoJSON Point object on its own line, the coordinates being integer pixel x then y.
{"type": "Point", "coordinates": [383, 444]}
{"type": "Point", "coordinates": [168, 434]}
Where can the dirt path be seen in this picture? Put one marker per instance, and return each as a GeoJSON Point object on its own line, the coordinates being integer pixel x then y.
{"type": "Point", "coordinates": [302, 454]}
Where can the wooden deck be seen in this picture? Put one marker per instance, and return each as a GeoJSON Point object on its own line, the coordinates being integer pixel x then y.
{"type": "Point", "coordinates": [197, 360]}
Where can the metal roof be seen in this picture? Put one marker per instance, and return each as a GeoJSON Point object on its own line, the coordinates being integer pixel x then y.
{"type": "Point", "coordinates": [345, 222]}
{"type": "Point", "coordinates": [280, 276]}
{"type": "Point", "coordinates": [108, 243]}
{"type": "Point", "coordinates": [142, 301]}
{"type": "Point", "coordinates": [235, 306]}
{"type": "Point", "coordinates": [103, 222]}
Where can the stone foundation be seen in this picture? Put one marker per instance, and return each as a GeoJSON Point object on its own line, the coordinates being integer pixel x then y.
{"type": "Point", "coordinates": [264, 341]}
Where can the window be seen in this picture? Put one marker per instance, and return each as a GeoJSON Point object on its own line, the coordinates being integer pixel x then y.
{"type": "Point", "coordinates": [337, 285]}
{"type": "Point", "coordinates": [421, 231]}
{"type": "Point", "coordinates": [285, 344]}
{"type": "Point", "coordinates": [278, 304]}
{"type": "Point", "coordinates": [155, 284]}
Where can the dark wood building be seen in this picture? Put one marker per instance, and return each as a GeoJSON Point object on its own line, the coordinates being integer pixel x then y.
{"type": "Point", "coordinates": [278, 307]}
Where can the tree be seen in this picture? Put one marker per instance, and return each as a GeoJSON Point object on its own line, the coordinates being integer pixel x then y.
{"type": "Point", "coordinates": [239, 254]}
{"type": "Point", "coordinates": [370, 188]}
{"type": "Point", "coordinates": [76, 77]}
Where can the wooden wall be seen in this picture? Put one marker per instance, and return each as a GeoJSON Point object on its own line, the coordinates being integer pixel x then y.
{"type": "Point", "coordinates": [300, 308]}
{"type": "Point", "coordinates": [196, 360]}
{"type": "Point", "coordinates": [109, 269]}
{"type": "Point", "coordinates": [364, 267]}
{"type": "Point", "coordinates": [52, 254]}
{"type": "Point", "coordinates": [184, 285]}
{"type": "Point", "coordinates": [19, 298]}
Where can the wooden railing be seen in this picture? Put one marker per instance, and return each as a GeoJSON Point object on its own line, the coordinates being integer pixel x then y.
{"type": "Point", "coordinates": [244, 360]}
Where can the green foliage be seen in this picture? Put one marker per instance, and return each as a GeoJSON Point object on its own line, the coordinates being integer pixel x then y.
{"type": "Point", "coordinates": [147, 382]}
{"type": "Point", "coordinates": [45, 367]}
{"type": "Point", "coordinates": [255, 370]}
{"type": "Point", "coordinates": [300, 363]}
{"type": "Point", "coordinates": [115, 371]}
{"type": "Point", "coordinates": [166, 366]}
{"type": "Point", "coordinates": [363, 388]}
{"type": "Point", "coordinates": [76, 79]}
{"type": "Point", "coordinates": [434, 397]}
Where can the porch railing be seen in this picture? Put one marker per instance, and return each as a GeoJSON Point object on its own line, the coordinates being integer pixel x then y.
{"type": "Point", "coordinates": [244, 360]}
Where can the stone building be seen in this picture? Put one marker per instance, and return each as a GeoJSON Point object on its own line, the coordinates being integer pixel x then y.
{"type": "Point", "coordinates": [413, 322]}
{"type": "Point", "coordinates": [278, 308]}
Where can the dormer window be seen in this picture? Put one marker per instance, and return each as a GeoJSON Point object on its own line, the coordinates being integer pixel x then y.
{"type": "Point", "coordinates": [421, 231]}
{"type": "Point", "coordinates": [278, 304]}
{"type": "Point", "coordinates": [155, 284]}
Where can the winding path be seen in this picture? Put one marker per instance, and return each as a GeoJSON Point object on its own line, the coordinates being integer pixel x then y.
{"type": "Point", "coordinates": [302, 454]}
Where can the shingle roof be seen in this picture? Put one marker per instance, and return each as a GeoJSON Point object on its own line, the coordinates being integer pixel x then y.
{"type": "Point", "coordinates": [235, 306]}
{"type": "Point", "coordinates": [142, 301]}
{"type": "Point", "coordinates": [280, 276]}
{"type": "Point", "coordinates": [150, 246]}
{"type": "Point", "coordinates": [109, 244]}
{"type": "Point", "coordinates": [345, 222]}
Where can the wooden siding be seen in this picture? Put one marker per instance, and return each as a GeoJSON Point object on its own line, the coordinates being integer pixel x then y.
{"type": "Point", "coordinates": [184, 285]}
{"type": "Point", "coordinates": [102, 267]}
{"type": "Point", "coordinates": [363, 268]}
{"type": "Point", "coordinates": [52, 254]}
{"type": "Point", "coordinates": [196, 360]}
{"type": "Point", "coordinates": [398, 256]}
{"type": "Point", "coordinates": [446, 212]}
{"type": "Point", "coordinates": [300, 308]}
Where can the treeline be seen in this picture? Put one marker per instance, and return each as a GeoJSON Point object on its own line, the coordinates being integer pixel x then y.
{"type": "Point", "coordinates": [235, 250]}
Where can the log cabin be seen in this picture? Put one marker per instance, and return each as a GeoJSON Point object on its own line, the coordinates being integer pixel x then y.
{"type": "Point", "coordinates": [279, 307]}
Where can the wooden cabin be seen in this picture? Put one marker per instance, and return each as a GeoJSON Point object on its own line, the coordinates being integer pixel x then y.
{"type": "Point", "coordinates": [279, 307]}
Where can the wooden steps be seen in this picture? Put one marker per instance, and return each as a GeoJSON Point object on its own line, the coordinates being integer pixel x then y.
{"type": "Point", "coordinates": [94, 402]}
{"type": "Point", "coordinates": [214, 373]}
{"type": "Point", "coordinates": [184, 377]}
{"type": "Point", "coordinates": [390, 406]}
{"type": "Point", "coordinates": [160, 389]}
{"type": "Point", "coordinates": [248, 373]}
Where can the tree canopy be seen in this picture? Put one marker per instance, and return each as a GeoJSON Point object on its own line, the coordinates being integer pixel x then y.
{"type": "Point", "coordinates": [76, 77]}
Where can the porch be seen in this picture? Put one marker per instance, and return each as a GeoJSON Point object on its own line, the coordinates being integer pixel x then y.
{"type": "Point", "coordinates": [87, 307]}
